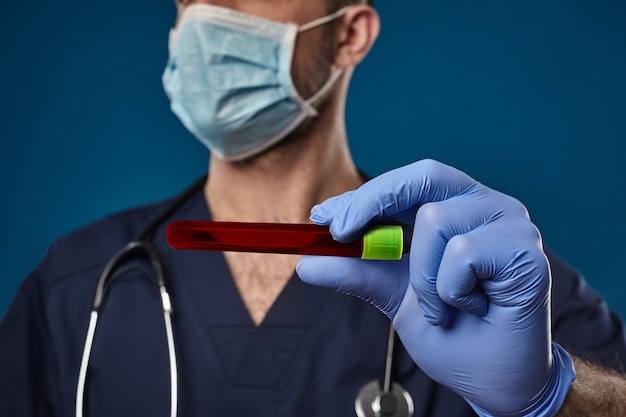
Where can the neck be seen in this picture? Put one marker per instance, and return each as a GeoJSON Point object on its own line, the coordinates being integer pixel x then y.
{"type": "Point", "coordinates": [282, 184]}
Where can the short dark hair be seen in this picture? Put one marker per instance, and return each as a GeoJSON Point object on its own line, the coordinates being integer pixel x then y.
{"type": "Point", "coordinates": [334, 5]}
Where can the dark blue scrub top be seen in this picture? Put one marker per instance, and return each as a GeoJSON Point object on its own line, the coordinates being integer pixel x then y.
{"type": "Point", "coordinates": [310, 357]}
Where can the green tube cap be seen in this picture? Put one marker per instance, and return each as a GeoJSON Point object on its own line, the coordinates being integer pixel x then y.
{"type": "Point", "coordinates": [383, 243]}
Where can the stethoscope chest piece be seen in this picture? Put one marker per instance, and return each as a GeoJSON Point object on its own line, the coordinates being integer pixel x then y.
{"type": "Point", "coordinates": [372, 401]}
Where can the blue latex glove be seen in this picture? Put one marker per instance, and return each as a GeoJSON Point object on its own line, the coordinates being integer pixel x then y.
{"type": "Point", "coordinates": [471, 302]}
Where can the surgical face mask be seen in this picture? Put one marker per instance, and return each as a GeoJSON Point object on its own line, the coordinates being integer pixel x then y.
{"type": "Point", "coordinates": [229, 79]}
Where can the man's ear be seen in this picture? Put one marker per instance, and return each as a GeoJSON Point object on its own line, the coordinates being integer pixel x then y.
{"type": "Point", "coordinates": [356, 33]}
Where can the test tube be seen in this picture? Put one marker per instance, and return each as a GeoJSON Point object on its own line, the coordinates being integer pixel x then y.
{"type": "Point", "coordinates": [385, 242]}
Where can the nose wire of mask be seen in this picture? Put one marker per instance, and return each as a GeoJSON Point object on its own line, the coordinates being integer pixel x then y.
{"type": "Point", "coordinates": [229, 79]}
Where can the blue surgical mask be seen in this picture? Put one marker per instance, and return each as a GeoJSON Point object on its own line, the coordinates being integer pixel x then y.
{"type": "Point", "coordinates": [229, 79]}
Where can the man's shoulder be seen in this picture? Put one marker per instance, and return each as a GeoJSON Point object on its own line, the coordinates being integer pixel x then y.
{"type": "Point", "coordinates": [91, 246]}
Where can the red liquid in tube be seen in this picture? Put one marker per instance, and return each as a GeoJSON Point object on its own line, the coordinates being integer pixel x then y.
{"type": "Point", "coordinates": [302, 239]}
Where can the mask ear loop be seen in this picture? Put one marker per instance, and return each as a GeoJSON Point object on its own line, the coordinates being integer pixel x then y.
{"type": "Point", "coordinates": [336, 72]}
{"type": "Point", "coordinates": [334, 75]}
{"type": "Point", "coordinates": [324, 19]}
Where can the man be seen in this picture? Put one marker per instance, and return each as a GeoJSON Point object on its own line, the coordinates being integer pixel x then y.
{"type": "Point", "coordinates": [471, 302]}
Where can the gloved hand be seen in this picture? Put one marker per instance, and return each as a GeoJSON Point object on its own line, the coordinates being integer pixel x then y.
{"type": "Point", "coordinates": [471, 302]}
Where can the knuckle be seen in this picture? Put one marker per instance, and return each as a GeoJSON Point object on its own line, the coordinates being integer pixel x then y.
{"type": "Point", "coordinates": [429, 165]}
{"type": "Point", "coordinates": [527, 231]}
{"type": "Point", "coordinates": [460, 247]}
{"type": "Point", "coordinates": [516, 207]}
{"type": "Point", "coordinates": [431, 216]}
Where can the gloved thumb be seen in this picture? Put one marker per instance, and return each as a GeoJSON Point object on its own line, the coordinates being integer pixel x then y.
{"type": "Point", "coordinates": [381, 283]}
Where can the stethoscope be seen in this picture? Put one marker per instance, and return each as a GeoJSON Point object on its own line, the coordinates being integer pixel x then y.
{"type": "Point", "coordinates": [388, 400]}
{"type": "Point", "coordinates": [373, 400]}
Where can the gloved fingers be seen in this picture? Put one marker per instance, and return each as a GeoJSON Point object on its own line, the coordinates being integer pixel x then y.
{"type": "Point", "coordinates": [381, 283]}
{"type": "Point", "coordinates": [500, 264]}
{"type": "Point", "coordinates": [457, 283]}
{"type": "Point", "coordinates": [389, 196]}
{"type": "Point", "coordinates": [435, 224]}
{"type": "Point", "coordinates": [439, 229]}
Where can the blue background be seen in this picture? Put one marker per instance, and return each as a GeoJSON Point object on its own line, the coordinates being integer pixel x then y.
{"type": "Point", "coordinates": [528, 97]}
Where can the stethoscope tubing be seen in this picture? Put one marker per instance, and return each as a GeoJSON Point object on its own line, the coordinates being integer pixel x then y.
{"type": "Point", "coordinates": [104, 283]}
{"type": "Point", "coordinates": [167, 313]}
{"type": "Point", "coordinates": [138, 243]}
{"type": "Point", "coordinates": [82, 374]}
